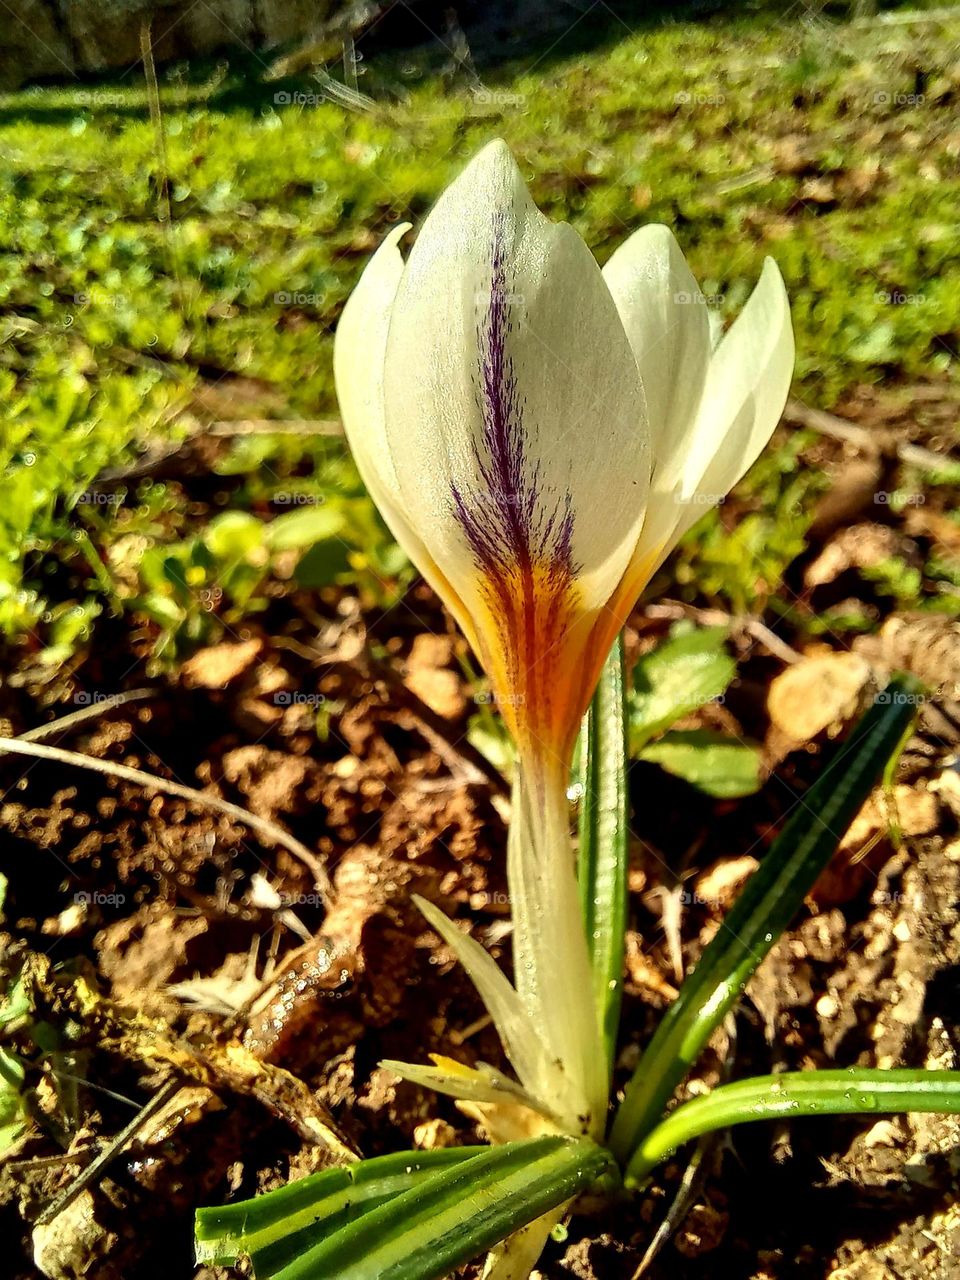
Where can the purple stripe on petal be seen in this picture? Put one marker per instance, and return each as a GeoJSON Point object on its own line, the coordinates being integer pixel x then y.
{"type": "Point", "coordinates": [509, 520]}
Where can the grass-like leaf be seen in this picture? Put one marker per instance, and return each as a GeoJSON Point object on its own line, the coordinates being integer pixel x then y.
{"type": "Point", "coordinates": [602, 861]}
{"type": "Point", "coordinates": [303, 1212]}
{"type": "Point", "coordinates": [765, 908]}
{"type": "Point", "coordinates": [456, 1214]}
{"type": "Point", "coordinates": [856, 1090]}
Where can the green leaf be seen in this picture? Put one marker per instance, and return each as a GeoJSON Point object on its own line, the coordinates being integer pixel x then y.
{"type": "Point", "coordinates": [12, 1072]}
{"type": "Point", "coordinates": [491, 738]}
{"type": "Point", "coordinates": [602, 859]}
{"type": "Point", "coordinates": [13, 1111]}
{"type": "Point", "coordinates": [854, 1091]}
{"type": "Point", "coordinates": [15, 1004]}
{"type": "Point", "coordinates": [235, 535]}
{"type": "Point", "coordinates": [273, 1228]}
{"type": "Point", "coordinates": [680, 675]}
{"type": "Point", "coordinates": [719, 765]}
{"type": "Point", "coordinates": [296, 529]}
{"type": "Point", "coordinates": [768, 903]}
{"type": "Point", "coordinates": [322, 564]}
{"type": "Point", "coordinates": [454, 1214]}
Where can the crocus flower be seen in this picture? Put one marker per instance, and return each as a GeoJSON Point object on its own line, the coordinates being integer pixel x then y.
{"type": "Point", "coordinates": [539, 434]}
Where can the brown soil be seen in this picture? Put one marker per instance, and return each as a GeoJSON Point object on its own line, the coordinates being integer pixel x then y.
{"type": "Point", "coordinates": [139, 919]}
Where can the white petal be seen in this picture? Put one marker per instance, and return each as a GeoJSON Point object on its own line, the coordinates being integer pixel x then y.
{"type": "Point", "coordinates": [746, 387]}
{"type": "Point", "coordinates": [359, 347]}
{"type": "Point", "coordinates": [667, 323]}
{"type": "Point", "coordinates": [358, 359]}
{"type": "Point", "coordinates": [514, 410]}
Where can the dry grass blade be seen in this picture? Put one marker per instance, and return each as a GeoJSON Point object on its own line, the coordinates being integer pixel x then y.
{"type": "Point", "coordinates": [64, 723]}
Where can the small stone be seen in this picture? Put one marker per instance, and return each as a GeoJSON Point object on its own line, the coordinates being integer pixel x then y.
{"type": "Point", "coordinates": [216, 666]}
{"type": "Point", "coordinates": [885, 1133]}
{"type": "Point", "coordinates": [433, 1134]}
{"type": "Point", "coordinates": [345, 767]}
{"type": "Point", "coordinates": [827, 1006]}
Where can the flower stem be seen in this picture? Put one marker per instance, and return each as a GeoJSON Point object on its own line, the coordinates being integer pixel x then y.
{"type": "Point", "coordinates": [551, 959]}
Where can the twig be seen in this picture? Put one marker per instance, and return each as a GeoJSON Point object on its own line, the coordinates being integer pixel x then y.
{"type": "Point", "coordinates": [321, 44]}
{"type": "Point", "coordinates": [270, 830]}
{"type": "Point", "coordinates": [238, 1019]}
{"type": "Point", "coordinates": [93, 1170]}
{"type": "Point", "coordinates": [763, 173]}
{"type": "Point", "coordinates": [273, 427]}
{"type": "Point", "coordinates": [95, 709]}
{"type": "Point", "coordinates": [87, 1084]}
{"type": "Point", "coordinates": [719, 618]}
{"type": "Point", "coordinates": [928, 459]}
{"type": "Point", "coordinates": [690, 1184]}
{"type": "Point", "coordinates": [151, 463]}
{"type": "Point", "coordinates": [147, 465]}
{"type": "Point", "coordinates": [828, 424]}
{"type": "Point", "coordinates": [694, 1173]}
{"type": "Point", "coordinates": [80, 1156]}
{"type": "Point", "coordinates": [760, 631]}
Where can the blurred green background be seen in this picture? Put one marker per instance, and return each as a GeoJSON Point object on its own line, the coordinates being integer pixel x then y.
{"type": "Point", "coordinates": [167, 278]}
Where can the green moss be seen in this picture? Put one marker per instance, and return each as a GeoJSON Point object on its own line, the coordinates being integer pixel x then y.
{"type": "Point", "coordinates": [749, 136]}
